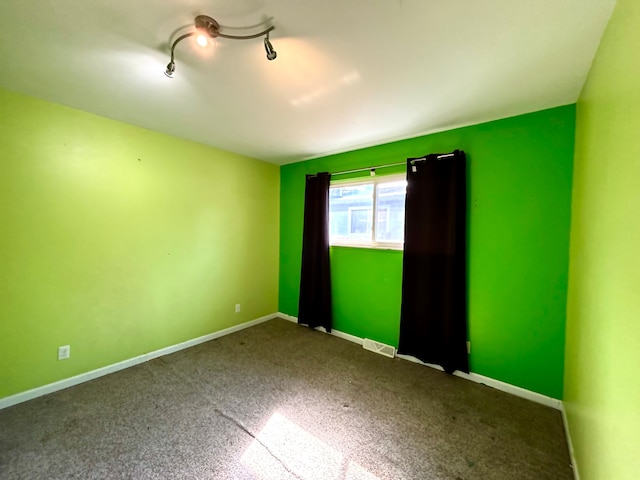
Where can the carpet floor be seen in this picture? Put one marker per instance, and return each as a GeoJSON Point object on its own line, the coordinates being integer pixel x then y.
{"type": "Point", "coordinates": [281, 401]}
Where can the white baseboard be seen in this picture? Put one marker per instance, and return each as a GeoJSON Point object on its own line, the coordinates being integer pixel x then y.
{"type": "Point", "coordinates": [85, 377]}
{"type": "Point", "coordinates": [567, 432]}
{"type": "Point", "coordinates": [512, 389]}
{"type": "Point", "coordinates": [474, 377]}
{"type": "Point", "coordinates": [291, 318]}
{"type": "Point", "coordinates": [335, 333]}
{"type": "Point", "coordinates": [497, 384]}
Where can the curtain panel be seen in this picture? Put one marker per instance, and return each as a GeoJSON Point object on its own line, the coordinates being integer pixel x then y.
{"type": "Point", "coordinates": [433, 319]}
{"type": "Point", "coordinates": [314, 307]}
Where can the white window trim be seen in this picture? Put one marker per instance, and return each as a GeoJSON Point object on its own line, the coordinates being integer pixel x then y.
{"type": "Point", "coordinates": [388, 212]}
{"type": "Point", "coordinates": [378, 179]}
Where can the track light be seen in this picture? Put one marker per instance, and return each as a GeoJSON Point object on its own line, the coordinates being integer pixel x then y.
{"type": "Point", "coordinates": [271, 53]}
{"type": "Point", "coordinates": [171, 68]}
{"type": "Point", "coordinates": [207, 27]}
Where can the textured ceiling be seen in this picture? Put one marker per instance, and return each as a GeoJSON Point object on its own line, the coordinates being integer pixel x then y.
{"type": "Point", "coordinates": [348, 73]}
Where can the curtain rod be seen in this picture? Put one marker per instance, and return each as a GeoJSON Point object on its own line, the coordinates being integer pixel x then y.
{"type": "Point", "coordinates": [420, 159]}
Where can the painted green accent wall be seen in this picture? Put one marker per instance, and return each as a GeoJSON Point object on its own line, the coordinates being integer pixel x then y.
{"type": "Point", "coordinates": [364, 306]}
{"type": "Point", "coordinates": [602, 391]}
{"type": "Point", "coordinates": [119, 241]}
{"type": "Point", "coordinates": [520, 195]}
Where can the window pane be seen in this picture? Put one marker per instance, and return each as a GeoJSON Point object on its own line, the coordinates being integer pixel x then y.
{"type": "Point", "coordinates": [390, 211]}
{"type": "Point", "coordinates": [351, 213]}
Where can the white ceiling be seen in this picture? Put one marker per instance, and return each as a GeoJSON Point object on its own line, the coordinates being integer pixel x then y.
{"type": "Point", "coordinates": [348, 73]}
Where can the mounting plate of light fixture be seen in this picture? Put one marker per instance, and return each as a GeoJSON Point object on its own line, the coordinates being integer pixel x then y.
{"type": "Point", "coordinates": [207, 24]}
{"type": "Point", "coordinates": [207, 27]}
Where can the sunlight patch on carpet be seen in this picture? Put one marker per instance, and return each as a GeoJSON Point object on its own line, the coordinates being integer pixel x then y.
{"type": "Point", "coordinates": [283, 449]}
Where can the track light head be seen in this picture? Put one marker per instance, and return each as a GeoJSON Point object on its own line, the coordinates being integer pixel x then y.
{"type": "Point", "coordinates": [271, 53]}
{"type": "Point", "coordinates": [171, 69]}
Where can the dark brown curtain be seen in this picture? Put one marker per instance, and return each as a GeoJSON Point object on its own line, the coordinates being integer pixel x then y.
{"type": "Point", "coordinates": [314, 307]}
{"type": "Point", "coordinates": [433, 319]}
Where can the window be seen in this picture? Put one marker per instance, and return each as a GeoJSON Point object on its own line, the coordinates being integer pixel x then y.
{"type": "Point", "coordinates": [352, 204]}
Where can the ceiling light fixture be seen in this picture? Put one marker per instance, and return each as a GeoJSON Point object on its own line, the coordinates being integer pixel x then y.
{"type": "Point", "coordinates": [207, 27]}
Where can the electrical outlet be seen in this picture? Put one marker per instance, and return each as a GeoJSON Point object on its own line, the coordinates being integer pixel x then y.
{"type": "Point", "coordinates": [468, 347]}
{"type": "Point", "coordinates": [64, 352]}
{"type": "Point", "coordinates": [237, 308]}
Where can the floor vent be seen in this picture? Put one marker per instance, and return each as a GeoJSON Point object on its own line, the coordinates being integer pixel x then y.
{"type": "Point", "coordinates": [377, 347]}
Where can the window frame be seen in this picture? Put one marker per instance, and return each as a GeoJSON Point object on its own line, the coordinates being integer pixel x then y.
{"type": "Point", "coordinates": [375, 181]}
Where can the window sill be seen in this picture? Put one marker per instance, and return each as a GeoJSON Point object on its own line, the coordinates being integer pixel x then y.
{"type": "Point", "coordinates": [392, 248]}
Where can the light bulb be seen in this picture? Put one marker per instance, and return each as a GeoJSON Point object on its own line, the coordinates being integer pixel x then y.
{"type": "Point", "coordinates": [202, 40]}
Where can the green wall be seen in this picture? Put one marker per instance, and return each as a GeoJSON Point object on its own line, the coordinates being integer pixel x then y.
{"type": "Point", "coordinates": [520, 195]}
{"type": "Point", "coordinates": [602, 391]}
{"type": "Point", "coordinates": [119, 241]}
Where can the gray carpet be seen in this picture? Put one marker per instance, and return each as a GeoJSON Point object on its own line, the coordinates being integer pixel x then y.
{"type": "Point", "coordinates": [280, 401]}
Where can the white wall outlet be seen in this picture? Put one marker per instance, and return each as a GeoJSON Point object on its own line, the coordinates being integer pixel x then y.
{"type": "Point", "coordinates": [64, 352]}
{"type": "Point", "coordinates": [237, 308]}
{"type": "Point", "coordinates": [468, 347]}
